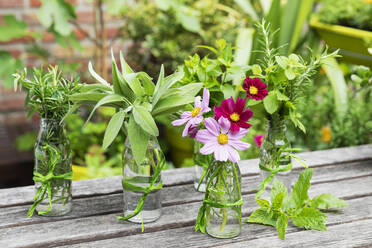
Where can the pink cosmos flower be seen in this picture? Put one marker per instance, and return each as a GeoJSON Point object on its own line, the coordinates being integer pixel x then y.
{"type": "Point", "coordinates": [219, 139]}
{"type": "Point", "coordinates": [255, 88]}
{"type": "Point", "coordinates": [195, 116]}
{"type": "Point", "coordinates": [235, 113]}
{"type": "Point", "coordinates": [258, 140]}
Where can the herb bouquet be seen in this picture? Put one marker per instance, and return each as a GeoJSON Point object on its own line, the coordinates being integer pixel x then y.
{"type": "Point", "coordinates": [220, 214]}
{"type": "Point", "coordinates": [278, 82]}
{"type": "Point", "coordinates": [138, 101]}
{"type": "Point", "coordinates": [221, 76]}
{"type": "Point", "coordinates": [47, 95]}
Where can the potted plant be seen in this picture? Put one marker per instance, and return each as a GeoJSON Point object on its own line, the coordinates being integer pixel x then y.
{"type": "Point", "coordinates": [137, 101]}
{"type": "Point", "coordinates": [347, 25]}
{"type": "Point", "coordinates": [48, 95]}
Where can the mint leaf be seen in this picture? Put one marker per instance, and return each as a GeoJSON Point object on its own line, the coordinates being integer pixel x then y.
{"type": "Point", "coordinates": [299, 194]}
{"type": "Point", "coordinates": [278, 187]}
{"type": "Point", "coordinates": [281, 225]}
{"type": "Point", "coordinates": [310, 218]}
{"type": "Point", "coordinates": [262, 216]}
{"type": "Point", "coordinates": [271, 102]}
{"type": "Point", "coordinates": [263, 203]}
{"type": "Point", "coordinates": [278, 201]}
{"type": "Point", "coordinates": [325, 201]}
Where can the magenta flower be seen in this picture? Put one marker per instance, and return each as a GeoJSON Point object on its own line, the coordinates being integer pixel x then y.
{"type": "Point", "coordinates": [219, 139]}
{"type": "Point", "coordinates": [258, 140]}
{"type": "Point", "coordinates": [255, 89]}
{"type": "Point", "coordinates": [195, 116]}
{"type": "Point", "coordinates": [235, 113]}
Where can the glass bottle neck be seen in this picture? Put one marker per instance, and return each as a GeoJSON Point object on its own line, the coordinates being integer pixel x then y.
{"type": "Point", "coordinates": [51, 129]}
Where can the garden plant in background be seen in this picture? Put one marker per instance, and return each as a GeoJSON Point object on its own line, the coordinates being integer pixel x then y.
{"type": "Point", "coordinates": [137, 101]}
{"type": "Point", "coordinates": [48, 95]}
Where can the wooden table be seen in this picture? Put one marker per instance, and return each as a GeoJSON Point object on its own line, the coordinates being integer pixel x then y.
{"type": "Point", "coordinates": [345, 172]}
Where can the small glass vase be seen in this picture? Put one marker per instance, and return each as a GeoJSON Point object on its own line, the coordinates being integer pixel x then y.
{"type": "Point", "coordinates": [224, 200]}
{"type": "Point", "coordinates": [53, 169]}
{"type": "Point", "coordinates": [201, 163]}
{"type": "Point", "coordinates": [274, 144]}
{"type": "Point", "coordinates": [141, 175]}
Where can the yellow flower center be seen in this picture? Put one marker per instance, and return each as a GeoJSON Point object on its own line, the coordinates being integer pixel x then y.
{"type": "Point", "coordinates": [195, 111]}
{"type": "Point", "coordinates": [222, 139]}
{"type": "Point", "coordinates": [326, 134]}
{"type": "Point", "coordinates": [235, 117]}
{"type": "Point", "coordinates": [253, 90]}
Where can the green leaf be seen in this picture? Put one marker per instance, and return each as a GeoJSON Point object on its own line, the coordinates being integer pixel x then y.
{"type": "Point", "coordinates": [96, 76]}
{"type": "Point", "coordinates": [262, 216]}
{"type": "Point", "coordinates": [247, 7]}
{"type": "Point", "coordinates": [87, 96]}
{"type": "Point", "coordinates": [144, 119]}
{"type": "Point", "coordinates": [12, 28]}
{"type": "Point", "coordinates": [8, 64]}
{"type": "Point", "coordinates": [91, 88]}
{"type": "Point", "coordinates": [281, 225]}
{"type": "Point", "coordinates": [134, 84]}
{"type": "Point", "coordinates": [277, 188]}
{"type": "Point", "coordinates": [310, 218]}
{"type": "Point", "coordinates": [113, 128]}
{"type": "Point", "coordinates": [278, 200]}
{"type": "Point", "coordinates": [282, 61]}
{"type": "Point", "coordinates": [107, 100]}
{"type": "Point", "coordinates": [188, 21]}
{"type": "Point", "coordinates": [299, 193]}
{"type": "Point", "coordinates": [173, 103]}
{"type": "Point", "coordinates": [290, 73]}
{"type": "Point", "coordinates": [281, 96]}
{"type": "Point", "coordinates": [325, 201]}
{"type": "Point", "coordinates": [138, 140]}
{"type": "Point", "coordinates": [147, 82]}
{"type": "Point", "coordinates": [57, 13]}
{"type": "Point", "coordinates": [336, 77]}
{"type": "Point", "coordinates": [271, 102]}
{"type": "Point", "coordinates": [263, 203]}
{"type": "Point", "coordinates": [121, 87]}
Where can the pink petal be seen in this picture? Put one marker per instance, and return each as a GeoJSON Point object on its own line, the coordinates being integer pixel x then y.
{"type": "Point", "coordinates": [224, 125]}
{"type": "Point", "coordinates": [204, 136]}
{"type": "Point", "coordinates": [212, 126]}
{"type": "Point", "coordinates": [208, 148]}
{"type": "Point", "coordinates": [179, 122]}
{"type": "Point", "coordinates": [233, 154]}
{"type": "Point", "coordinates": [239, 145]}
{"type": "Point", "coordinates": [197, 102]}
{"type": "Point", "coordinates": [206, 95]}
{"type": "Point", "coordinates": [220, 153]}
{"type": "Point", "coordinates": [196, 120]}
{"type": "Point", "coordinates": [228, 105]}
{"type": "Point", "coordinates": [186, 114]}
{"type": "Point", "coordinates": [239, 105]}
{"type": "Point", "coordinates": [186, 129]}
{"type": "Point", "coordinates": [238, 135]}
{"type": "Point", "coordinates": [205, 109]}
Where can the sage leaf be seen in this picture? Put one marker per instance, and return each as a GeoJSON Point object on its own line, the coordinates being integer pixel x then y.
{"type": "Point", "coordinates": [326, 201]}
{"type": "Point", "coordinates": [144, 119]}
{"type": "Point", "coordinates": [96, 76]}
{"type": "Point", "coordinates": [113, 128]}
{"type": "Point", "coordinates": [310, 218]}
{"type": "Point", "coordinates": [138, 140]}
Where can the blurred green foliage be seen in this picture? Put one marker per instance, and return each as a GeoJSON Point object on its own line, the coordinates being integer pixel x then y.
{"type": "Point", "coordinates": [166, 32]}
{"type": "Point", "coordinates": [355, 13]}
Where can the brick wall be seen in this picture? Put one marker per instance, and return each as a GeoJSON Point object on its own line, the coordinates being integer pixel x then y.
{"type": "Point", "coordinates": [12, 114]}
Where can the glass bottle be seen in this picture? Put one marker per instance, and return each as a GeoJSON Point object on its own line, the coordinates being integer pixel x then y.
{"type": "Point", "coordinates": [223, 187]}
{"type": "Point", "coordinates": [201, 163]}
{"type": "Point", "coordinates": [141, 175]}
{"type": "Point", "coordinates": [274, 141]}
{"type": "Point", "coordinates": [53, 157]}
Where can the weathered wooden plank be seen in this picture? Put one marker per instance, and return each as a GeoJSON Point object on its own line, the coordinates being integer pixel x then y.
{"type": "Point", "coordinates": [354, 234]}
{"type": "Point", "coordinates": [22, 195]}
{"type": "Point", "coordinates": [180, 194]}
{"type": "Point", "coordinates": [257, 235]}
{"type": "Point", "coordinates": [106, 226]}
